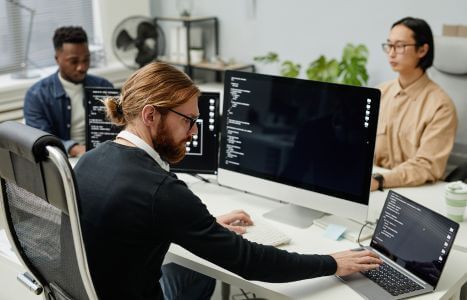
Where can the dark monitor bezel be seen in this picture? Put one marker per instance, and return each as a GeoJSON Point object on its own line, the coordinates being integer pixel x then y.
{"type": "Point", "coordinates": [88, 93]}
{"type": "Point", "coordinates": [214, 161]}
{"type": "Point", "coordinates": [362, 198]}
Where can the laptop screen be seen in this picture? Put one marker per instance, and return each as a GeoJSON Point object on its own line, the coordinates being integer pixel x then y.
{"type": "Point", "coordinates": [415, 237]}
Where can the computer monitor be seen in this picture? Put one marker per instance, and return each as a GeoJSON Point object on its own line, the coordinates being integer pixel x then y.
{"type": "Point", "coordinates": [202, 155]}
{"type": "Point", "coordinates": [303, 142]}
{"type": "Point", "coordinates": [98, 128]}
{"type": "Point", "coordinates": [202, 152]}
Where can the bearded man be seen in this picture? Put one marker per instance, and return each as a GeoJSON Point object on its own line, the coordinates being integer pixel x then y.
{"type": "Point", "coordinates": [133, 207]}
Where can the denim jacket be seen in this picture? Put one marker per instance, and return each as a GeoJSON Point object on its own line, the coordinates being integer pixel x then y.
{"type": "Point", "coordinates": [47, 106]}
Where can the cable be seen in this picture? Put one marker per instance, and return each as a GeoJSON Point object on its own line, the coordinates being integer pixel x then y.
{"type": "Point", "coordinates": [361, 230]}
{"type": "Point", "coordinates": [245, 294]}
{"type": "Point", "coordinates": [200, 177]}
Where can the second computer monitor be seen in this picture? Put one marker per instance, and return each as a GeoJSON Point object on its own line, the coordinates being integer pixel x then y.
{"type": "Point", "coordinates": [304, 142]}
{"type": "Point", "coordinates": [202, 153]}
{"type": "Point", "coordinates": [98, 128]}
{"type": "Point", "coordinates": [203, 150]}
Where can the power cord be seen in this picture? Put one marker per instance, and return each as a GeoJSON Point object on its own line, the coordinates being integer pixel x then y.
{"type": "Point", "coordinates": [200, 177]}
{"type": "Point", "coordinates": [245, 295]}
{"type": "Point", "coordinates": [361, 230]}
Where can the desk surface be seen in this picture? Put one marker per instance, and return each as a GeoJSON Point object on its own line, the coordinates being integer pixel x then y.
{"type": "Point", "coordinates": [220, 200]}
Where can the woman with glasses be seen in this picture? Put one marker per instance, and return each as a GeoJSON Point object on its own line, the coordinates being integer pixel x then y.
{"type": "Point", "coordinates": [417, 121]}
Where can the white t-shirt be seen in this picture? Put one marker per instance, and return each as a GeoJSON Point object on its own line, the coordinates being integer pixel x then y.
{"type": "Point", "coordinates": [76, 94]}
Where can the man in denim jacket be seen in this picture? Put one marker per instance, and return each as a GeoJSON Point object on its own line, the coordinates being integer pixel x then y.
{"type": "Point", "coordinates": [56, 103]}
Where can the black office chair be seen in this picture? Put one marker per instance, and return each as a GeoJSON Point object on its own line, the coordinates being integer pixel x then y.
{"type": "Point", "coordinates": [459, 173]}
{"type": "Point", "coordinates": [39, 202]}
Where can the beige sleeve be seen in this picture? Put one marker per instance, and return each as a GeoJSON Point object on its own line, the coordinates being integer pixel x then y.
{"type": "Point", "coordinates": [430, 161]}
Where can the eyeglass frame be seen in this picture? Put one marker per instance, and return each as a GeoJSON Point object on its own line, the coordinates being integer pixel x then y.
{"type": "Point", "coordinates": [395, 47]}
{"type": "Point", "coordinates": [191, 119]}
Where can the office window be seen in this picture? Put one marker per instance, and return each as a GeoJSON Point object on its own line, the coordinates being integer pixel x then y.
{"type": "Point", "coordinates": [15, 17]}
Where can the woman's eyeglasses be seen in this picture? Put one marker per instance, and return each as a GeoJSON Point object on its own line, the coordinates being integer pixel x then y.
{"type": "Point", "coordinates": [398, 48]}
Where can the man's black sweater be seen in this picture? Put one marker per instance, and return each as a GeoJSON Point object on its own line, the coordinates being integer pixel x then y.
{"type": "Point", "coordinates": [131, 210]}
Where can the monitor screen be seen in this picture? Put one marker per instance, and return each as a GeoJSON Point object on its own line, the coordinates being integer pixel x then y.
{"type": "Point", "coordinates": [98, 128]}
{"type": "Point", "coordinates": [202, 155]}
{"type": "Point", "coordinates": [304, 142]}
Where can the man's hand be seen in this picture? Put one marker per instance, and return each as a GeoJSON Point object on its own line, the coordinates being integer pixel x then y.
{"type": "Point", "coordinates": [235, 221]}
{"type": "Point", "coordinates": [350, 261]}
{"type": "Point", "coordinates": [76, 150]}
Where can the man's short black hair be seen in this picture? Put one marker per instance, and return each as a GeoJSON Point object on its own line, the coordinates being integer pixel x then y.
{"type": "Point", "coordinates": [69, 34]}
{"type": "Point", "coordinates": [422, 35]}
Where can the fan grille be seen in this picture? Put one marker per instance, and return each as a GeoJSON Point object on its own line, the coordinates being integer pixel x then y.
{"type": "Point", "coordinates": [137, 41]}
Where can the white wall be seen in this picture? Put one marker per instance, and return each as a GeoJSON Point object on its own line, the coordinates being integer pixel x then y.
{"type": "Point", "coordinates": [301, 30]}
{"type": "Point", "coordinates": [111, 12]}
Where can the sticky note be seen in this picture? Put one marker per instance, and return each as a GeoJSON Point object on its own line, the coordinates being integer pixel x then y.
{"type": "Point", "coordinates": [334, 232]}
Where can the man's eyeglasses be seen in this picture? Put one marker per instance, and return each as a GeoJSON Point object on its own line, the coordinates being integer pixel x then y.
{"type": "Point", "coordinates": [188, 118]}
{"type": "Point", "coordinates": [398, 48]}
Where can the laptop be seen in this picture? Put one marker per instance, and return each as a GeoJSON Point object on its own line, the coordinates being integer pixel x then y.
{"type": "Point", "coordinates": [414, 242]}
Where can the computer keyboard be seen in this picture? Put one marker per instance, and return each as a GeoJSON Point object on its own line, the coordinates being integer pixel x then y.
{"type": "Point", "coordinates": [266, 234]}
{"type": "Point", "coordinates": [392, 280]}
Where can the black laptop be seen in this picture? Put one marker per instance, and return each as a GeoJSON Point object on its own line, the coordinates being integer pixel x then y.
{"type": "Point", "coordinates": [414, 242]}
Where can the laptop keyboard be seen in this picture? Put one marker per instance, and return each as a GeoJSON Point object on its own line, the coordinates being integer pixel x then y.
{"type": "Point", "coordinates": [393, 281]}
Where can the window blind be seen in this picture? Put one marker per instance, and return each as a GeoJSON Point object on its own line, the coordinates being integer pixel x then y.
{"type": "Point", "coordinates": [15, 17]}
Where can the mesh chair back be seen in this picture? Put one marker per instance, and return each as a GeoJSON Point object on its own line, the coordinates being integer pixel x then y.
{"type": "Point", "coordinates": [37, 211]}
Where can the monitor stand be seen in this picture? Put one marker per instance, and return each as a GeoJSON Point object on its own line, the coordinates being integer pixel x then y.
{"type": "Point", "coordinates": [294, 215]}
{"type": "Point", "coordinates": [303, 217]}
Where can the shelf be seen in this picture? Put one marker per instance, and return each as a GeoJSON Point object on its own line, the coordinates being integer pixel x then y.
{"type": "Point", "coordinates": [184, 50]}
{"type": "Point", "coordinates": [186, 19]}
{"type": "Point", "coordinates": [211, 66]}
{"type": "Point", "coordinates": [222, 67]}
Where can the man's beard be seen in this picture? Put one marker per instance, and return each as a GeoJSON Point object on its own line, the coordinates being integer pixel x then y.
{"type": "Point", "coordinates": [168, 149]}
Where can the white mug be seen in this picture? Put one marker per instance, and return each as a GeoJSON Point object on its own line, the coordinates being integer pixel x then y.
{"type": "Point", "coordinates": [456, 200]}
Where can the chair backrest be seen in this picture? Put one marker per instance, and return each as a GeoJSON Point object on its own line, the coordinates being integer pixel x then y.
{"type": "Point", "coordinates": [40, 206]}
{"type": "Point", "coordinates": [459, 173]}
{"type": "Point", "coordinates": [450, 72]}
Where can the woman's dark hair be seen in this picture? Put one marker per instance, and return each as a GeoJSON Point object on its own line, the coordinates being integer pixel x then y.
{"type": "Point", "coordinates": [422, 35]}
{"type": "Point", "coordinates": [69, 34]}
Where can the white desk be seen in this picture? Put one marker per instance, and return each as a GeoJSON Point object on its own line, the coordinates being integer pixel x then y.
{"type": "Point", "coordinates": [10, 267]}
{"type": "Point", "coordinates": [220, 200]}
{"type": "Point", "coordinates": [10, 287]}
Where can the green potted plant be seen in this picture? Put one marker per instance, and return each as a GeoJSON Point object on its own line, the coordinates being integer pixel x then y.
{"type": "Point", "coordinates": [350, 70]}
{"type": "Point", "coordinates": [287, 68]}
{"type": "Point", "coordinates": [323, 69]}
